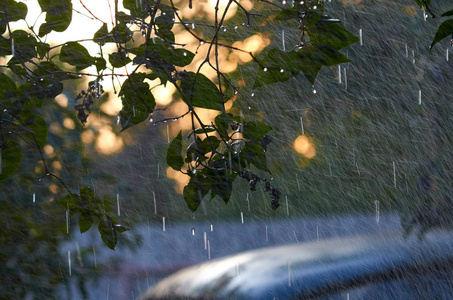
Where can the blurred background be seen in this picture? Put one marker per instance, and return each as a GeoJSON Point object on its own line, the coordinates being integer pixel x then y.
{"type": "Point", "coordinates": [364, 149]}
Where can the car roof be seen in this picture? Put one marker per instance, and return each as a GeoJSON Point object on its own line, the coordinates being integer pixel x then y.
{"type": "Point", "coordinates": [308, 269]}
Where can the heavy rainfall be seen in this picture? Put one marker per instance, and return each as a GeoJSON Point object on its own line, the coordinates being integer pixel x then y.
{"type": "Point", "coordinates": [362, 147]}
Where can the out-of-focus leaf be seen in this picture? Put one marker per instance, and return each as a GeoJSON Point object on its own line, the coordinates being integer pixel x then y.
{"type": "Point", "coordinates": [195, 190]}
{"type": "Point", "coordinates": [76, 55]}
{"type": "Point", "coordinates": [174, 157]}
{"type": "Point", "coordinates": [255, 130]}
{"type": "Point", "coordinates": [42, 49]}
{"type": "Point", "coordinates": [222, 185]}
{"type": "Point", "coordinates": [120, 34]}
{"type": "Point", "coordinates": [108, 233]}
{"type": "Point", "coordinates": [313, 58]}
{"type": "Point", "coordinates": [253, 153]}
{"type": "Point", "coordinates": [100, 64]}
{"type": "Point", "coordinates": [199, 91]}
{"type": "Point", "coordinates": [119, 59]}
{"type": "Point", "coordinates": [138, 102]}
{"type": "Point", "coordinates": [222, 122]}
{"type": "Point", "coordinates": [8, 90]}
{"type": "Point", "coordinates": [447, 13]}
{"type": "Point", "coordinates": [11, 11]}
{"type": "Point", "coordinates": [332, 34]}
{"type": "Point", "coordinates": [11, 156]}
{"type": "Point", "coordinates": [85, 222]}
{"type": "Point", "coordinates": [137, 8]}
{"type": "Point", "coordinates": [286, 14]}
{"type": "Point", "coordinates": [277, 66]}
{"type": "Point", "coordinates": [121, 228]}
{"type": "Point", "coordinates": [70, 202]}
{"type": "Point", "coordinates": [445, 29]}
{"type": "Point", "coordinates": [39, 128]}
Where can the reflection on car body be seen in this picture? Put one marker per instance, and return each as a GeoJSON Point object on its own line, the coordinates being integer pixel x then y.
{"type": "Point", "coordinates": [379, 266]}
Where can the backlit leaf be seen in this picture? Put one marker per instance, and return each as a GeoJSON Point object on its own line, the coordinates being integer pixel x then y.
{"type": "Point", "coordinates": [174, 157]}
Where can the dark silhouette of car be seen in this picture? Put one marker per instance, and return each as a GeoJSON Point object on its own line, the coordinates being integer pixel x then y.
{"type": "Point", "coordinates": [378, 266]}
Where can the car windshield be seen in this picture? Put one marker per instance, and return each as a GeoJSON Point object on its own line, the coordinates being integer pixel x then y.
{"type": "Point", "coordinates": [140, 137]}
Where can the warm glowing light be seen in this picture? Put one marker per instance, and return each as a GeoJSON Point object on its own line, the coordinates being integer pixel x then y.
{"type": "Point", "coordinates": [57, 165]}
{"type": "Point", "coordinates": [113, 106]}
{"type": "Point", "coordinates": [87, 136]}
{"type": "Point", "coordinates": [180, 179]}
{"type": "Point", "coordinates": [108, 142]}
{"type": "Point", "coordinates": [48, 149]}
{"type": "Point", "coordinates": [62, 100]}
{"type": "Point", "coordinates": [69, 123]}
{"type": "Point", "coordinates": [53, 188]}
{"type": "Point", "coordinates": [255, 44]}
{"type": "Point", "coordinates": [303, 145]}
{"type": "Point", "coordinates": [163, 94]}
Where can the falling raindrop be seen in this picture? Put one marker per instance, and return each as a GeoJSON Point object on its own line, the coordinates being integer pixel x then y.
{"type": "Point", "coordinates": [155, 204]}
{"type": "Point", "coordinates": [283, 40]}
{"type": "Point", "coordinates": [69, 262]}
{"type": "Point", "coordinates": [302, 125]}
{"type": "Point", "coordinates": [267, 236]}
{"type": "Point", "coordinates": [13, 52]}
{"type": "Point", "coordinates": [212, 227]}
{"type": "Point", "coordinates": [67, 221]}
{"type": "Point", "coordinates": [297, 240]}
{"type": "Point", "coordinates": [205, 240]}
{"type": "Point", "coordinates": [339, 74]}
{"type": "Point", "coordinates": [287, 206]}
{"type": "Point", "coordinates": [413, 56]}
{"type": "Point", "coordinates": [446, 54]}
{"type": "Point", "coordinates": [95, 260]}
{"type": "Point", "coordinates": [314, 91]}
{"type": "Point", "coordinates": [345, 79]}
{"type": "Point", "coordinates": [242, 217]}
{"type": "Point", "coordinates": [265, 69]}
{"type": "Point", "coordinates": [289, 274]}
{"type": "Point", "coordinates": [193, 231]}
{"type": "Point", "coordinates": [209, 250]}
{"type": "Point", "coordinates": [376, 204]}
{"type": "Point", "coordinates": [248, 202]}
{"type": "Point", "coordinates": [118, 120]}
{"type": "Point", "coordinates": [360, 37]}
{"type": "Point", "coordinates": [317, 233]}
{"type": "Point", "coordinates": [419, 97]}
{"type": "Point", "coordinates": [394, 174]}
{"type": "Point", "coordinates": [34, 197]}
{"type": "Point", "coordinates": [118, 203]}
{"type": "Point", "coordinates": [168, 134]}
{"type": "Point", "coordinates": [163, 223]}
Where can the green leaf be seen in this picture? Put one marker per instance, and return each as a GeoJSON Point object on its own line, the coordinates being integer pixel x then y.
{"type": "Point", "coordinates": [201, 131]}
{"type": "Point", "coordinates": [39, 128]}
{"type": "Point", "coordinates": [102, 35]}
{"type": "Point", "coordinates": [223, 122]}
{"type": "Point", "coordinates": [277, 66]}
{"type": "Point", "coordinates": [76, 55]}
{"type": "Point", "coordinates": [199, 91]}
{"type": "Point", "coordinates": [70, 202]}
{"type": "Point", "coordinates": [11, 157]}
{"type": "Point", "coordinates": [85, 222]}
{"type": "Point", "coordinates": [120, 228]}
{"type": "Point", "coordinates": [447, 13]}
{"type": "Point", "coordinates": [255, 130]}
{"type": "Point", "coordinates": [286, 14]}
{"type": "Point", "coordinates": [180, 57]}
{"type": "Point", "coordinates": [137, 8]}
{"type": "Point", "coordinates": [222, 185]}
{"type": "Point", "coordinates": [108, 233]}
{"type": "Point", "coordinates": [331, 33]}
{"type": "Point", "coordinates": [138, 102]}
{"type": "Point", "coordinates": [119, 59]}
{"type": "Point", "coordinates": [195, 190]}
{"type": "Point", "coordinates": [174, 158]}
{"type": "Point", "coordinates": [8, 90]}
{"type": "Point", "coordinates": [445, 29]}
{"type": "Point", "coordinates": [313, 58]}
{"type": "Point", "coordinates": [12, 11]}
{"type": "Point", "coordinates": [58, 15]}
{"type": "Point", "coordinates": [253, 153]}
{"type": "Point", "coordinates": [42, 49]}
{"type": "Point", "coordinates": [24, 45]}
{"type": "Point", "coordinates": [100, 64]}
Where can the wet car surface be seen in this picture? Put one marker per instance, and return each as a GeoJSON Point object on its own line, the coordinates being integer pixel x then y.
{"type": "Point", "coordinates": [378, 266]}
